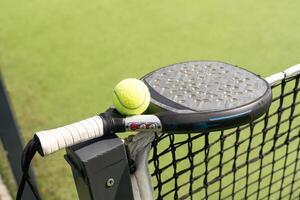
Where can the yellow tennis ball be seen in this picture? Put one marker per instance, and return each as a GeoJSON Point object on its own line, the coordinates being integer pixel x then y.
{"type": "Point", "coordinates": [131, 96]}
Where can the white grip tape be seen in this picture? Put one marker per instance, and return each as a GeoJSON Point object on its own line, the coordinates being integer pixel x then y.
{"type": "Point", "coordinates": [58, 138]}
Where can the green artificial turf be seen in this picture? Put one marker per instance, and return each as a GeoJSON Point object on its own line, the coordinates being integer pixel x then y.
{"type": "Point", "coordinates": [61, 58]}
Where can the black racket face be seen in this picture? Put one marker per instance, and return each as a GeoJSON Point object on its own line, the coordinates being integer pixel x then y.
{"type": "Point", "coordinates": [204, 86]}
{"type": "Point", "coordinates": [216, 90]}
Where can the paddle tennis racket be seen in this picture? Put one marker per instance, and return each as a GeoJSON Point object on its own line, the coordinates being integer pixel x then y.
{"type": "Point", "coordinates": [196, 96]}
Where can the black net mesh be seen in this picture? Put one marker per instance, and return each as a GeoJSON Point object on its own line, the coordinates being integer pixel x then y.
{"type": "Point", "coordinates": [257, 161]}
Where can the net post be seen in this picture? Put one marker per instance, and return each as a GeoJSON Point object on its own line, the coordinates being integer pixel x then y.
{"type": "Point", "coordinates": [100, 169]}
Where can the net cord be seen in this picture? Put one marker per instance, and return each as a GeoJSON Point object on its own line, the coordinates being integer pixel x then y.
{"type": "Point", "coordinates": [139, 147]}
{"type": "Point", "coordinates": [291, 71]}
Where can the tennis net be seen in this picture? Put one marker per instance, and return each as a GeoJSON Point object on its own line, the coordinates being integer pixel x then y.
{"type": "Point", "coordinates": [256, 161]}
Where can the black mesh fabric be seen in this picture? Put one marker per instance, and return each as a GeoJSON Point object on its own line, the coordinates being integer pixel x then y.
{"type": "Point", "coordinates": [256, 161]}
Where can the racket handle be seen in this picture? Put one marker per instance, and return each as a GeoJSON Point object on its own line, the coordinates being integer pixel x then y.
{"type": "Point", "coordinates": [58, 138]}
